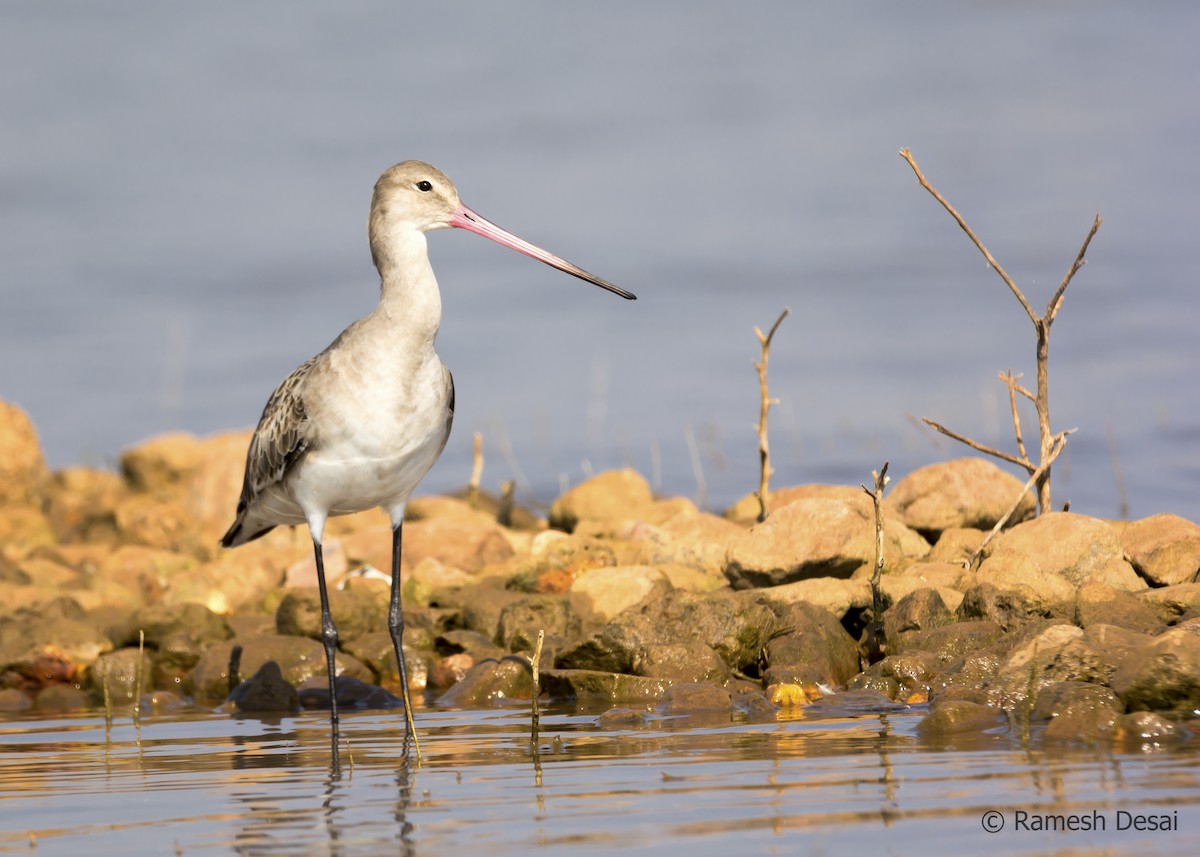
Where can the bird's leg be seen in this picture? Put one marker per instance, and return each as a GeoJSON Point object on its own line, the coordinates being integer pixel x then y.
{"type": "Point", "coordinates": [329, 637]}
{"type": "Point", "coordinates": [396, 627]}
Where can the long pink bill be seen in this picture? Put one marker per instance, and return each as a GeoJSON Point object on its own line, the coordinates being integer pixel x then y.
{"type": "Point", "coordinates": [465, 218]}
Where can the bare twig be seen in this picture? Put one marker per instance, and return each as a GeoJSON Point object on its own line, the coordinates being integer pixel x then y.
{"type": "Point", "coordinates": [875, 637]}
{"type": "Point", "coordinates": [1048, 441]}
{"type": "Point", "coordinates": [765, 402]}
{"type": "Point", "coordinates": [535, 663]}
{"type": "Point", "coordinates": [507, 504]}
{"type": "Point", "coordinates": [1012, 459]}
{"type": "Point", "coordinates": [137, 688]}
{"type": "Point", "coordinates": [476, 473]}
{"type": "Point", "coordinates": [689, 438]}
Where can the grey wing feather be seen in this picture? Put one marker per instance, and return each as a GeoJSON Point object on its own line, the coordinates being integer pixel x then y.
{"type": "Point", "coordinates": [281, 437]}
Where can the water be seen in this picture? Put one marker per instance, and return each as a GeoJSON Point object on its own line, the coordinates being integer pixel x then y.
{"type": "Point", "coordinates": [203, 783]}
{"type": "Point", "coordinates": [183, 196]}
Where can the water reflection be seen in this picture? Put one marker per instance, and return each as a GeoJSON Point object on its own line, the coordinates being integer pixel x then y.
{"type": "Point", "coordinates": [210, 783]}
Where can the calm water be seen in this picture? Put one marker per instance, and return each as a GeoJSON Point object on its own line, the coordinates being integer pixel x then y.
{"type": "Point", "coordinates": [209, 784]}
{"type": "Point", "coordinates": [184, 190]}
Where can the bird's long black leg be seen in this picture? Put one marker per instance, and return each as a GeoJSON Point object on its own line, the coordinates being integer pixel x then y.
{"type": "Point", "coordinates": [396, 627]}
{"type": "Point", "coordinates": [329, 637]}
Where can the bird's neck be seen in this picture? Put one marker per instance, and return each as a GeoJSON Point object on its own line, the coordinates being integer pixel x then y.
{"type": "Point", "coordinates": [409, 302]}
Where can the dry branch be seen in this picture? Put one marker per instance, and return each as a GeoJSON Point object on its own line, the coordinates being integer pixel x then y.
{"type": "Point", "coordinates": [875, 640]}
{"type": "Point", "coordinates": [476, 473]}
{"type": "Point", "coordinates": [765, 402]}
{"type": "Point", "coordinates": [1049, 443]}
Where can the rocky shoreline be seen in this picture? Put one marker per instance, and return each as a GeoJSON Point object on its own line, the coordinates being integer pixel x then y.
{"type": "Point", "coordinates": [1067, 629]}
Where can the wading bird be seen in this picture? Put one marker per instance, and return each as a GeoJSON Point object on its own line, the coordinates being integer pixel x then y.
{"type": "Point", "coordinates": [360, 424]}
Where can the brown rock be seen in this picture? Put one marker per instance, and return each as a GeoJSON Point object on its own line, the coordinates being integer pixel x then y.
{"type": "Point", "coordinates": [965, 492]}
{"type": "Point", "coordinates": [299, 659]}
{"type": "Point", "coordinates": [920, 610]}
{"type": "Point", "coordinates": [1071, 547]}
{"type": "Point", "coordinates": [837, 597]}
{"type": "Point", "coordinates": [592, 686]}
{"type": "Point", "coordinates": [1098, 603]}
{"type": "Point", "coordinates": [121, 672]}
{"type": "Point", "coordinates": [955, 545]}
{"type": "Point", "coordinates": [25, 528]}
{"type": "Point", "coordinates": [694, 696]}
{"type": "Point", "coordinates": [1076, 711]}
{"type": "Point", "coordinates": [815, 538]}
{"type": "Point", "coordinates": [1164, 549]}
{"type": "Point", "coordinates": [959, 716]}
{"type": "Point", "coordinates": [612, 496]}
{"type": "Point", "coordinates": [462, 543]}
{"type": "Point", "coordinates": [1164, 675]}
{"type": "Point", "coordinates": [61, 697]}
{"type": "Point", "coordinates": [450, 669]}
{"type": "Point", "coordinates": [355, 612]}
{"type": "Point", "coordinates": [81, 505]}
{"type": "Point", "coordinates": [698, 540]}
{"type": "Point", "coordinates": [23, 472]}
{"type": "Point", "coordinates": [808, 645]}
{"type": "Point", "coordinates": [1174, 600]}
{"type": "Point", "coordinates": [161, 463]}
{"type": "Point", "coordinates": [519, 622]}
{"type": "Point", "coordinates": [490, 683]}
{"type": "Point", "coordinates": [266, 690]}
{"type": "Point", "coordinates": [599, 595]}
{"type": "Point", "coordinates": [212, 488]}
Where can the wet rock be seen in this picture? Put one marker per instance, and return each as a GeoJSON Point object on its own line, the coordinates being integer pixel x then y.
{"type": "Point", "coordinates": [920, 610]}
{"type": "Point", "coordinates": [621, 718]}
{"type": "Point", "coordinates": [378, 653]}
{"type": "Point", "coordinates": [612, 496]}
{"type": "Point", "coordinates": [851, 703]}
{"type": "Point", "coordinates": [355, 612]}
{"type": "Point", "coordinates": [45, 647]}
{"type": "Point", "coordinates": [958, 716]}
{"type": "Point", "coordinates": [1099, 603]}
{"type": "Point", "coordinates": [1164, 549]}
{"type": "Point", "coordinates": [808, 645]}
{"type": "Point", "coordinates": [912, 671]}
{"type": "Point", "coordinates": [1077, 711]}
{"type": "Point", "coordinates": [1163, 675]}
{"type": "Point", "coordinates": [815, 537]}
{"type": "Point", "coordinates": [266, 690]}
{"type": "Point", "coordinates": [966, 492]}
{"type": "Point", "coordinates": [1046, 558]}
{"type": "Point", "coordinates": [450, 669]}
{"type": "Point", "coordinates": [1146, 726]}
{"type": "Point", "coordinates": [590, 686]}
{"type": "Point", "coordinates": [694, 696]}
{"type": "Point", "coordinates": [477, 608]}
{"type": "Point", "coordinates": [162, 463]}
{"type": "Point", "coordinates": [837, 597]}
{"type": "Point", "coordinates": [299, 659]}
{"type": "Point", "coordinates": [13, 700]}
{"type": "Point", "coordinates": [520, 621]}
{"type": "Point", "coordinates": [755, 706]}
{"type": "Point", "coordinates": [684, 661]}
{"type": "Point", "coordinates": [474, 643]}
{"type": "Point", "coordinates": [598, 596]}
{"type": "Point", "coordinates": [883, 685]}
{"type": "Point", "coordinates": [23, 472]}
{"type": "Point", "coordinates": [352, 693]}
{"type": "Point", "coordinates": [61, 697]}
{"type": "Point", "coordinates": [949, 642]}
{"type": "Point", "coordinates": [974, 677]}
{"type": "Point", "coordinates": [124, 674]}
{"type": "Point", "coordinates": [491, 683]}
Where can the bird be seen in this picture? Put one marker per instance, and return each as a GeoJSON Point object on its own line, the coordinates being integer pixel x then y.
{"type": "Point", "coordinates": [360, 424]}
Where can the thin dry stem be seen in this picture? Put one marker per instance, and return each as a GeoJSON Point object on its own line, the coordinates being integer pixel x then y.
{"type": "Point", "coordinates": [1011, 381]}
{"type": "Point", "coordinates": [765, 402]}
{"type": "Point", "coordinates": [875, 638]}
{"type": "Point", "coordinates": [535, 663]}
{"type": "Point", "coordinates": [476, 473]}
{"type": "Point", "coordinates": [1056, 301]}
{"type": "Point", "coordinates": [1012, 459]}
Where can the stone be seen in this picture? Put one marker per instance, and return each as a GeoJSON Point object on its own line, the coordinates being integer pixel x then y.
{"type": "Point", "coordinates": [808, 645]}
{"type": "Point", "coordinates": [519, 622]}
{"type": "Point", "coordinates": [1076, 711]}
{"type": "Point", "coordinates": [353, 694]}
{"type": "Point", "coordinates": [355, 612]}
{"type": "Point", "coordinates": [965, 492]}
{"type": "Point", "coordinates": [837, 597]}
{"type": "Point", "coordinates": [948, 642]}
{"type": "Point", "coordinates": [816, 537]}
{"type": "Point", "coordinates": [299, 659]}
{"type": "Point", "coordinates": [593, 686]}
{"type": "Point", "coordinates": [621, 718]}
{"type": "Point", "coordinates": [694, 696]}
{"type": "Point", "coordinates": [1164, 549]}
{"type": "Point", "coordinates": [1061, 547]}
{"type": "Point", "coordinates": [920, 610]}
{"type": "Point", "coordinates": [119, 671]}
{"type": "Point", "coordinates": [1163, 675]}
{"type": "Point", "coordinates": [691, 539]}
{"type": "Point", "coordinates": [23, 473]}
{"type": "Point", "coordinates": [81, 505]}
{"type": "Point", "coordinates": [1099, 603]}
{"type": "Point", "coordinates": [491, 683]}
{"type": "Point", "coordinates": [984, 601]}
{"type": "Point", "coordinates": [956, 545]}
{"type": "Point", "coordinates": [960, 716]}
{"type": "Point", "coordinates": [266, 690]}
{"type": "Point", "coordinates": [601, 594]}
{"type": "Point", "coordinates": [161, 464]}
{"type": "Point", "coordinates": [611, 496]}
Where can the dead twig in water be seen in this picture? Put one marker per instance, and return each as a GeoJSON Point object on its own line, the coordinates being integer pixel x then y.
{"type": "Point", "coordinates": [765, 402]}
{"type": "Point", "coordinates": [1041, 325]}
{"type": "Point", "coordinates": [535, 663]}
{"type": "Point", "coordinates": [137, 688]}
{"type": "Point", "coordinates": [875, 638]}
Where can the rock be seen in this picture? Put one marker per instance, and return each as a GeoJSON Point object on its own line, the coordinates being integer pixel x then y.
{"type": "Point", "coordinates": [984, 601]}
{"type": "Point", "coordinates": [119, 672]}
{"type": "Point", "coordinates": [815, 537]}
{"type": "Point", "coordinates": [14, 701]}
{"type": "Point", "coordinates": [697, 540]}
{"type": "Point", "coordinates": [591, 686]}
{"type": "Point", "coordinates": [1146, 726]}
{"type": "Point", "coordinates": [1099, 603]}
{"type": "Point", "coordinates": [965, 492]}
{"type": "Point", "coordinates": [145, 570]}
{"type": "Point", "coordinates": [837, 597]}
{"type": "Point", "coordinates": [450, 669]}
{"type": "Point", "coordinates": [621, 718]}
{"type": "Point", "coordinates": [299, 659]}
{"type": "Point", "coordinates": [920, 610]}
{"type": "Point", "coordinates": [61, 697]}
{"type": "Point", "coordinates": [81, 505]}
{"type": "Point", "coordinates": [352, 693]}
{"type": "Point", "coordinates": [1077, 711]}
{"type": "Point", "coordinates": [377, 652]}
{"type": "Point", "coordinates": [491, 683]}
{"type": "Point", "coordinates": [162, 463]}
{"type": "Point", "coordinates": [948, 642]}
{"type": "Point", "coordinates": [1164, 549]}
{"type": "Point", "coordinates": [601, 594]}
{"type": "Point", "coordinates": [958, 716]}
{"type": "Point", "coordinates": [46, 647]}
{"type": "Point", "coordinates": [694, 697]}
{"type": "Point", "coordinates": [355, 612]}
{"type": "Point", "coordinates": [212, 488]}
{"type": "Point", "coordinates": [807, 645]}
{"type": "Point", "coordinates": [1163, 675]}
{"type": "Point", "coordinates": [612, 496]}
{"type": "Point", "coordinates": [974, 677]}
{"type": "Point", "coordinates": [23, 472]}
{"type": "Point", "coordinates": [1038, 557]}
{"type": "Point", "coordinates": [468, 544]}
{"type": "Point", "coordinates": [520, 621]}
{"type": "Point", "coordinates": [956, 545]}
{"type": "Point", "coordinates": [1173, 601]}
{"type": "Point", "coordinates": [266, 690]}
{"type": "Point", "coordinates": [684, 661]}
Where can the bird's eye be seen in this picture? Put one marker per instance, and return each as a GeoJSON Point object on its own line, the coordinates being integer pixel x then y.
{"type": "Point", "coordinates": [424, 186]}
